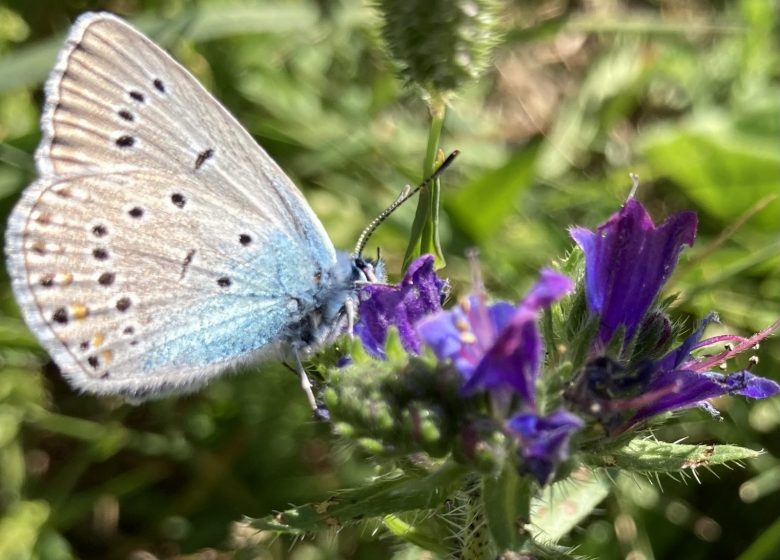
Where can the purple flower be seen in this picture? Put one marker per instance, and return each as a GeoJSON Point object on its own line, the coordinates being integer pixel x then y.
{"type": "Point", "coordinates": [495, 346]}
{"type": "Point", "coordinates": [623, 396]}
{"type": "Point", "coordinates": [544, 440]}
{"type": "Point", "coordinates": [382, 306]}
{"type": "Point", "coordinates": [627, 261]}
{"type": "Point", "coordinates": [682, 381]}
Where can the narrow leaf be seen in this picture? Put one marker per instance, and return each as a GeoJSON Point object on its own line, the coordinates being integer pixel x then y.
{"type": "Point", "coordinates": [426, 534]}
{"type": "Point", "coordinates": [382, 498]}
{"type": "Point", "coordinates": [658, 456]}
{"type": "Point", "coordinates": [507, 507]}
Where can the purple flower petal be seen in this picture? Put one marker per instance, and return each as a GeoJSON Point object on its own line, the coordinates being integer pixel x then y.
{"type": "Point", "coordinates": [382, 306]}
{"type": "Point", "coordinates": [683, 389]}
{"type": "Point", "coordinates": [627, 261]}
{"type": "Point", "coordinates": [465, 333]}
{"type": "Point", "coordinates": [544, 440]}
{"type": "Point", "coordinates": [513, 359]}
{"type": "Point", "coordinates": [748, 385]}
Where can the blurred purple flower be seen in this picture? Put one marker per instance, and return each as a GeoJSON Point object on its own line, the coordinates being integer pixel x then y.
{"type": "Point", "coordinates": [420, 293]}
{"type": "Point", "coordinates": [495, 345]}
{"type": "Point", "coordinates": [544, 440]}
{"type": "Point", "coordinates": [627, 261]}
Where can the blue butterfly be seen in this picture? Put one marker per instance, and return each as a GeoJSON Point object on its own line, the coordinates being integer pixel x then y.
{"type": "Point", "coordinates": [161, 246]}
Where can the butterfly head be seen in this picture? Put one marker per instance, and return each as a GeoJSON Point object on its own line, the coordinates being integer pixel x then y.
{"type": "Point", "coordinates": [367, 270]}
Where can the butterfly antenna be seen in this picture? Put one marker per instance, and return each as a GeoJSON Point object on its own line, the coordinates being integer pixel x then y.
{"type": "Point", "coordinates": [405, 195]}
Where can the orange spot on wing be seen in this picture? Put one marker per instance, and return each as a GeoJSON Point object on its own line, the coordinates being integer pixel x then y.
{"type": "Point", "coordinates": [38, 247]}
{"type": "Point", "coordinates": [79, 311]}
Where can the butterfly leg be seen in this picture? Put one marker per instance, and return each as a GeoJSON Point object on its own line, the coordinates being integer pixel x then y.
{"type": "Point", "coordinates": [305, 383]}
{"type": "Point", "coordinates": [349, 308]}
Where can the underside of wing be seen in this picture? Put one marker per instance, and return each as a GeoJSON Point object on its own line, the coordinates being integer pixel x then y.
{"type": "Point", "coordinates": [116, 101]}
{"type": "Point", "coordinates": [139, 282]}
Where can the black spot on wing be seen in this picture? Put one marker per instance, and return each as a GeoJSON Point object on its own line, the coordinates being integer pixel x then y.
{"type": "Point", "coordinates": [60, 316]}
{"type": "Point", "coordinates": [178, 200]}
{"type": "Point", "coordinates": [202, 157]}
{"type": "Point", "coordinates": [125, 141]}
{"type": "Point", "coordinates": [106, 279]}
{"type": "Point", "coordinates": [186, 263]}
{"type": "Point", "coordinates": [123, 304]}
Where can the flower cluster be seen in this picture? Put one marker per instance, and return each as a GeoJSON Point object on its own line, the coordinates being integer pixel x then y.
{"type": "Point", "coordinates": [496, 349]}
{"type": "Point", "coordinates": [489, 389]}
{"type": "Point", "coordinates": [627, 261]}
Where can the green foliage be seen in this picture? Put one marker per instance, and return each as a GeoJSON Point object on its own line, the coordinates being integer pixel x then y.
{"type": "Point", "coordinates": [578, 96]}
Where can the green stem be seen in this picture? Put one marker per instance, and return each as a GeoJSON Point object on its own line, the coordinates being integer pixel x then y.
{"type": "Point", "coordinates": [424, 237]}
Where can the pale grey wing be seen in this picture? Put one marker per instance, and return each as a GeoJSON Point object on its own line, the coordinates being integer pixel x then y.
{"type": "Point", "coordinates": [143, 282]}
{"type": "Point", "coordinates": [116, 101]}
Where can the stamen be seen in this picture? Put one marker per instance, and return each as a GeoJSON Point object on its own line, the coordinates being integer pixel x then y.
{"type": "Point", "coordinates": [468, 338]}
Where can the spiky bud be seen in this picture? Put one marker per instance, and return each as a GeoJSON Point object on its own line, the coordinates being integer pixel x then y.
{"type": "Point", "coordinates": [481, 444]}
{"type": "Point", "coordinates": [440, 44]}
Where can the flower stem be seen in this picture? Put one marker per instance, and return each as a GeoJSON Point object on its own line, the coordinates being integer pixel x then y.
{"type": "Point", "coordinates": [424, 237]}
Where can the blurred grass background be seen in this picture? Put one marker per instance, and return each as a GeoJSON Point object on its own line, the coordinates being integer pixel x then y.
{"type": "Point", "coordinates": [685, 94]}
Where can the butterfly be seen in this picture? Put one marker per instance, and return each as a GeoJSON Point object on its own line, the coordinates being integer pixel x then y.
{"type": "Point", "coordinates": [161, 246]}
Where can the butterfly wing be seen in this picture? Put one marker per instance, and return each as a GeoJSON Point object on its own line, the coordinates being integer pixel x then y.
{"type": "Point", "coordinates": [161, 243]}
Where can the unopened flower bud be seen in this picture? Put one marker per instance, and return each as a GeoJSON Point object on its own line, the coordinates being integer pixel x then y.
{"type": "Point", "coordinates": [440, 44]}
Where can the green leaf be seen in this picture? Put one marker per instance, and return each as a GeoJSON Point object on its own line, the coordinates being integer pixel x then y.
{"type": "Point", "coordinates": [428, 534]}
{"type": "Point", "coordinates": [642, 455]}
{"type": "Point", "coordinates": [576, 496]}
{"type": "Point", "coordinates": [383, 497]}
{"type": "Point", "coordinates": [507, 500]}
